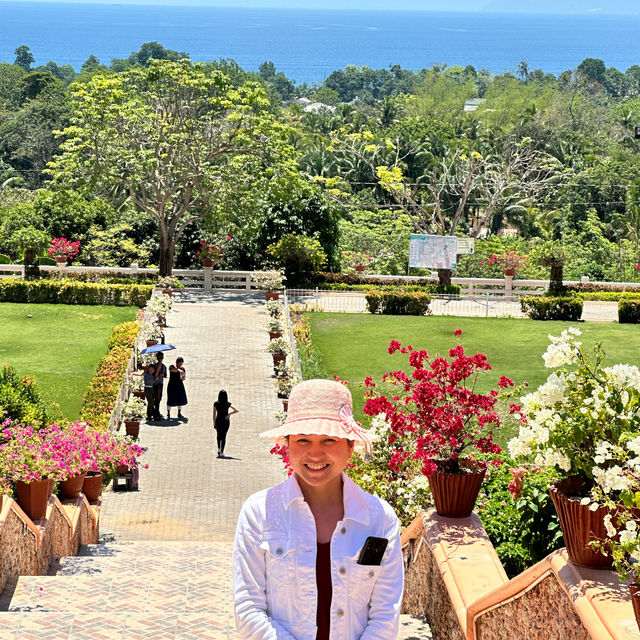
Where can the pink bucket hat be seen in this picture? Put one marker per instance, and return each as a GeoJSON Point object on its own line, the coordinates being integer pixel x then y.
{"type": "Point", "coordinates": [324, 408]}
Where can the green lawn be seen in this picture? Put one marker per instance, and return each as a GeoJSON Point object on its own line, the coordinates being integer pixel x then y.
{"type": "Point", "coordinates": [353, 346]}
{"type": "Point", "coordinates": [59, 345]}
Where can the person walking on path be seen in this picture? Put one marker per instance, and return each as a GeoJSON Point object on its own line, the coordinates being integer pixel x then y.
{"type": "Point", "coordinates": [149, 378]}
{"type": "Point", "coordinates": [158, 382]}
{"type": "Point", "coordinates": [222, 410]}
{"type": "Point", "coordinates": [316, 556]}
{"type": "Point", "coordinates": [176, 394]}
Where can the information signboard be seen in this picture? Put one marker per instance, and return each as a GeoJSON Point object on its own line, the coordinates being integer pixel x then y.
{"type": "Point", "coordinates": [432, 252]}
{"type": "Point", "coordinates": [466, 246]}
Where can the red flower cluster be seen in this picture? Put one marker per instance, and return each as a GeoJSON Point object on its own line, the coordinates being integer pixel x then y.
{"type": "Point", "coordinates": [438, 408]}
{"type": "Point", "coordinates": [64, 247]}
{"type": "Point", "coordinates": [506, 260]}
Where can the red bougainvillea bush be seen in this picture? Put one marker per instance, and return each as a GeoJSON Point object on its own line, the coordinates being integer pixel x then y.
{"type": "Point", "coordinates": [434, 413]}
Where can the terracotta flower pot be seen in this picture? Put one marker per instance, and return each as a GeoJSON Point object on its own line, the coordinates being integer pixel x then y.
{"type": "Point", "coordinates": [60, 260]}
{"type": "Point", "coordinates": [510, 272]}
{"type": "Point", "coordinates": [285, 405]}
{"type": "Point", "coordinates": [132, 428]}
{"type": "Point", "coordinates": [278, 358]}
{"type": "Point", "coordinates": [92, 486]}
{"type": "Point", "coordinates": [150, 343]}
{"type": "Point", "coordinates": [121, 469]}
{"type": "Point", "coordinates": [72, 487]}
{"type": "Point", "coordinates": [272, 295]}
{"type": "Point", "coordinates": [579, 524]}
{"type": "Point", "coordinates": [168, 292]}
{"type": "Point", "coordinates": [359, 267]}
{"type": "Point", "coordinates": [208, 263]}
{"type": "Point", "coordinates": [274, 334]}
{"type": "Point", "coordinates": [139, 394]}
{"type": "Point", "coordinates": [33, 497]}
{"type": "Point", "coordinates": [455, 494]}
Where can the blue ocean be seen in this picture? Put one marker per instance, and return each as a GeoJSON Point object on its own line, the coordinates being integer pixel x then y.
{"type": "Point", "coordinates": [307, 45]}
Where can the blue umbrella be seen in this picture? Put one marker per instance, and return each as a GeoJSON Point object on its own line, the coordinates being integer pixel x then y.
{"type": "Point", "coordinates": [157, 347]}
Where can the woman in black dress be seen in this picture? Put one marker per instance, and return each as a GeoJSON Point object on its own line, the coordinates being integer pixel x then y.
{"type": "Point", "coordinates": [222, 409]}
{"type": "Point", "coordinates": [176, 394]}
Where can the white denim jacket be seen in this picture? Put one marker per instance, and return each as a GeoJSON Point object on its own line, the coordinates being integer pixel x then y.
{"type": "Point", "coordinates": [274, 568]}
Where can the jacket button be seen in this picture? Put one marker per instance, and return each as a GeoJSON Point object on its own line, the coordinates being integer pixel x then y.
{"type": "Point", "coordinates": [371, 574]}
{"type": "Point", "coordinates": [343, 530]}
{"type": "Point", "coordinates": [279, 551]}
{"type": "Point", "coordinates": [339, 613]}
{"type": "Point", "coordinates": [342, 571]}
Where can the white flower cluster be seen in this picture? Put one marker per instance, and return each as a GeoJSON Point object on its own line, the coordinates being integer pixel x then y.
{"type": "Point", "coordinates": [623, 377]}
{"type": "Point", "coordinates": [562, 350]}
{"type": "Point", "coordinates": [159, 304]}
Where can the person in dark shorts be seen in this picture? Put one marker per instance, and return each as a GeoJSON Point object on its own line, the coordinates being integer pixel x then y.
{"type": "Point", "coordinates": [149, 377]}
{"type": "Point", "coordinates": [222, 409]}
{"type": "Point", "coordinates": [158, 383]}
{"type": "Point", "coordinates": [176, 394]}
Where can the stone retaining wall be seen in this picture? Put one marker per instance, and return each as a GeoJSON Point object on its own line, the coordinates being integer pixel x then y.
{"type": "Point", "coordinates": [456, 581]}
{"type": "Point", "coordinates": [26, 547]}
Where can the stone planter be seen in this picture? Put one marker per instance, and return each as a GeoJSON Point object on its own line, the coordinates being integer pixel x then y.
{"type": "Point", "coordinates": [33, 497]}
{"type": "Point", "coordinates": [634, 592]}
{"type": "Point", "coordinates": [132, 428]}
{"type": "Point", "coordinates": [92, 486]}
{"type": "Point", "coordinates": [579, 524]}
{"type": "Point", "coordinates": [455, 494]}
{"type": "Point", "coordinates": [72, 487]}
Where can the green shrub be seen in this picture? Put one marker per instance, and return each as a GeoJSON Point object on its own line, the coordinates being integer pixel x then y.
{"type": "Point", "coordinates": [345, 281]}
{"type": "Point", "coordinates": [552, 307]}
{"type": "Point", "coordinates": [46, 260]}
{"type": "Point", "coordinates": [70, 292]}
{"type": "Point", "coordinates": [629, 311]}
{"type": "Point", "coordinates": [20, 399]}
{"type": "Point", "coordinates": [102, 393]}
{"type": "Point", "coordinates": [4, 259]}
{"type": "Point", "coordinates": [398, 303]}
{"type": "Point", "coordinates": [611, 296]}
{"type": "Point", "coordinates": [524, 529]}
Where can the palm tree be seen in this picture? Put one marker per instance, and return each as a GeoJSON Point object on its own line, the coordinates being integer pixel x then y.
{"type": "Point", "coordinates": [523, 69]}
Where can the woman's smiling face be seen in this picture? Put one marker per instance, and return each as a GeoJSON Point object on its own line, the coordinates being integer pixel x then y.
{"type": "Point", "coordinates": [319, 460]}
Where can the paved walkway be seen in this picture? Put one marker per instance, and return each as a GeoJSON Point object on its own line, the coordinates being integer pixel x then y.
{"type": "Point", "coordinates": [187, 493]}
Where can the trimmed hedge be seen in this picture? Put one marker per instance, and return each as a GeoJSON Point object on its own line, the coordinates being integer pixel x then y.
{"type": "Point", "coordinates": [434, 289]}
{"type": "Point", "coordinates": [338, 281]}
{"type": "Point", "coordinates": [552, 308]}
{"type": "Point", "coordinates": [102, 393]}
{"type": "Point", "coordinates": [399, 303]}
{"type": "Point", "coordinates": [592, 287]}
{"type": "Point", "coordinates": [69, 292]}
{"type": "Point", "coordinates": [611, 296]}
{"type": "Point", "coordinates": [629, 311]}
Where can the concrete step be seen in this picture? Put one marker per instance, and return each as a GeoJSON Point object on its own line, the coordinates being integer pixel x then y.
{"type": "Point", "coordinates": [143, 557]}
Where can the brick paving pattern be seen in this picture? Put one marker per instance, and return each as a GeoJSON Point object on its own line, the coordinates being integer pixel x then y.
{"type": "Point", "coordinates": [164, 570]}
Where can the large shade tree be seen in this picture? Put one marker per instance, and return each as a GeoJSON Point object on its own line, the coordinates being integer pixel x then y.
{"type": "Point", "coordinates": [167, 137]}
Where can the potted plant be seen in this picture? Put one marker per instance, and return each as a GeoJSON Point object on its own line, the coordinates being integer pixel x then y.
{"type": "Point", "coordinates": [275, 308]}
{"type": "Point", "coordinates": [271, 282]}
{"type": "Point", "coordinates": [159, 305]}
{"type": "Point", "coordinates": [509, 262]}
{"type": "Point", "coordinates": [167, 284]}
{"type": "Point", "coordinates": [279, 348]}
{"type": "Point", "coordinates": [583, 422]}
{"type": "Point", "coordinates": [62, 249]}
{"type": "Point", "coordinates": [437, 416]}
{"type": "Point", "coordinates": [208, 253]}
{"type": "Point", "coordinates": [132, 412]}
{"type": "Point", "coordinates": [135, 383]}
{"type": "Point", "coordinates": [274, 326]}
{"type": "Point", "coordinates": [150, 332]}
{"type": "Point", "coordinates": [359, 260]}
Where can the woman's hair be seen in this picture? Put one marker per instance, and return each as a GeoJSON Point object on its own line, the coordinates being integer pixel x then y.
{"type": "Point", "coordinates": [223, 396]}
{"type": "Point", "coordinates": [179, 360]}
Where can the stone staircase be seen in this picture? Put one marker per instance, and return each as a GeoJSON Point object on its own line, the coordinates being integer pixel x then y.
{"type": "Point", "coordinates": [131, 591]}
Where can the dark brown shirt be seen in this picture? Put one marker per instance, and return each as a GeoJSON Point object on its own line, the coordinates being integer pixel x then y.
{"type": "Point", "coordinates": [325, 589]}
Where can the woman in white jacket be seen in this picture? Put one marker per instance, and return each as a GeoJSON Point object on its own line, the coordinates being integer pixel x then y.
{"type": "Point", "coordinates": [315, 557]}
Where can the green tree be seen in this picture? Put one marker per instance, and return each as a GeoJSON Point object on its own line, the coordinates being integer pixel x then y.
{"type": "Point", "coordinates": [298, 256]}
{"type": "Point", "coordinates": [24, 57]}
{"type": "Point", "coordinates": [167, 135]}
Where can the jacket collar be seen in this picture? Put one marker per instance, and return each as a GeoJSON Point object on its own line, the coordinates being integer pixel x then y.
{"type": "Point", "coordinates": [356, 505]}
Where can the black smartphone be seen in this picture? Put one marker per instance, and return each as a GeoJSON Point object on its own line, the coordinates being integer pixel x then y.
{"type": "Point", "coordinates": [372, 551]}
